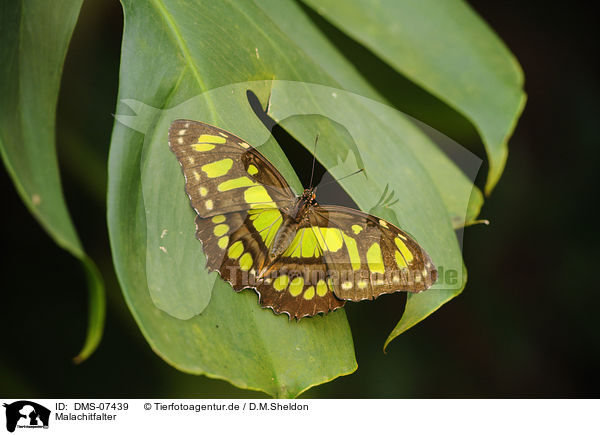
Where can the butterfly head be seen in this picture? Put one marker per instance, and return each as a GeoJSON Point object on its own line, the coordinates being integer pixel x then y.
{"type": "Point", "coordinates": [304, 204]}
{"type": "Point", "coordinates": [309, 196]}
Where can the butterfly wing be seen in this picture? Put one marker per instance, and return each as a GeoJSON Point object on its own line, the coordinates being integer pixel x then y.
{"type": "Point", "coordinates": [298, 288]}
{"type": "Point", "coordinates": [237, 195]}
{"type": "Point", "coordinates": [367, 256]}
{"type": "Point", "coordinates": [297, 282]}
{"type": "Point", "coordinates": [223, 173]}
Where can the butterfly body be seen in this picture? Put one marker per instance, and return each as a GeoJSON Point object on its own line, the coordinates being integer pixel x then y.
{"type": "Point", "coordinates": [292, 218]}
{"type": "Point", "coordinates": [300, 257]}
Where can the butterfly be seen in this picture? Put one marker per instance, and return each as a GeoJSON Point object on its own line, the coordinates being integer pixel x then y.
{"type": "Point", "coordinates": [301, 258]}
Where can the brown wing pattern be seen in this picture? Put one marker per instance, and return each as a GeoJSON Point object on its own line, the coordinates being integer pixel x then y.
{"type": "Point", "coordinates": [367, 256]}
{"type": "Point", "coordinates": [223, 173]}
{"type": "Point", "coordinates": [231, 248]}
{"type": "Point", "coordinates": [298, 288]}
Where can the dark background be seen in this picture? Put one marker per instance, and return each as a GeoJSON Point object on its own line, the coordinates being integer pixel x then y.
{"type": "Point", "coordinates": [525, 326]}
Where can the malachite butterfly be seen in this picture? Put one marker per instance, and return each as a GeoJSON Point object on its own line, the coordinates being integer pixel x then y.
{"type": "Point", "coordinates": [302, 258]}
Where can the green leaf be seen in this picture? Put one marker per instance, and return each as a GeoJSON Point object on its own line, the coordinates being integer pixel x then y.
{"type": "Point", "coordinates": [421, 305]}
{"type": "Point", "coordinates": [232, 338]}
{"type": "Point", "coordinates": [35, 35]}
{"type": "Point", "coordinates": [198, 62]}
{"type": "Point", "coordinates": [444, 47]}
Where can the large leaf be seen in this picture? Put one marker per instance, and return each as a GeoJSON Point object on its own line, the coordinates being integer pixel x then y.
{"type": "Point", "coordinates": [443, 46]}
{"type": "Point", "coordinates": [35, 35]}
{"type": "Point", "coordinates": [450, 181]}
{"type": "Point", "coordinates": [193, 63]}
{"type": "Point", "coordinates": [233, 338]}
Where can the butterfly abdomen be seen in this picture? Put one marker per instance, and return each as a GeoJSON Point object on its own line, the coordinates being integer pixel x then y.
{"type": "Point", "coordinates": [287, 231]}
{"type": "Point", "coordinates": [283, 238]}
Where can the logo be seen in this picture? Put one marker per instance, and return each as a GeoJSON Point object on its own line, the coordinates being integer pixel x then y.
{"type": "Point", "coordinates": [26, 414]}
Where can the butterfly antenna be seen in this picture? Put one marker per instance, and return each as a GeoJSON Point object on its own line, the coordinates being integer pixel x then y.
{"type": "Point", "coordinates": [345, 176]}
{"type": "Point", "coordinates": [312, 173]}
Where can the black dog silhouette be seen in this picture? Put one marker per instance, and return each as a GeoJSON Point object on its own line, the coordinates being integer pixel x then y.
{"type": "Point", "coordinates": [13, 414]}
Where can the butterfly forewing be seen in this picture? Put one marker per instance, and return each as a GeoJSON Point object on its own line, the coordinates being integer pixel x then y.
{"type": "Point", "coordinates": [236, 193]}
{"type": "Point", "coordinates": [367, 256]}
{"type": "Point", "coordinates": [223, 173]}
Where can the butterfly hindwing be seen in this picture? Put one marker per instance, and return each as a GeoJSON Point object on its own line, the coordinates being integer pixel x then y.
{"type": "Point", "coordinates": [298, 282]}
{"type": "Point", "coordinates": [368, 256]}
{"type": "Point", "coordinates": [298, 288]}
{"type": "Point", "coordinates": [223, 173]}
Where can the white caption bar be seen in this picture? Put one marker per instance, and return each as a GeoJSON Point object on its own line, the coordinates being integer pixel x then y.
{"type": "Point", "coordinates": [462, 417]}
